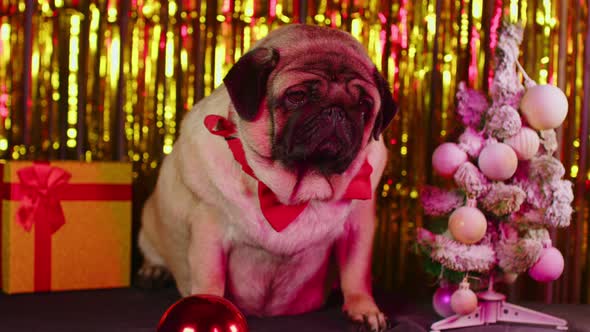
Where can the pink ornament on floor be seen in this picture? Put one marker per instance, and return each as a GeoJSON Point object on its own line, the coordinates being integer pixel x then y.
{"type": "Point", "coordinates": [498, 161]}
{"type": "Point", "coordinates": [544, 106]}
{"type": "Point", "coordinates": [526, 143]}
{"type": "Point", "coordinates": [202, 313]}
{"type": "Point", "coordinates": [549, 266]}
{"type": "Point", "coordinates": [446, 158]}
{"type": "Point", "coordinates": [441, 300]}
{"type": "Point", "coordinates": [468, 225]}
{"type": "Point", "coordinates": [464, 300]}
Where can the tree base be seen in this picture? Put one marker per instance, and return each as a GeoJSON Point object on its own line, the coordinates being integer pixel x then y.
{"type": "Point", "coordinates": [493, 308]}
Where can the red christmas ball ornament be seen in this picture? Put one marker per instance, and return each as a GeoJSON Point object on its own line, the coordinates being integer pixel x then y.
{"type": "Point", "coordinates": [203, 313]}
{"type": "Point", "coordinates": [464, 300]}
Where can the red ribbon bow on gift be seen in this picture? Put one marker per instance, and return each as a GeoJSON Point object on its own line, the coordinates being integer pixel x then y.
{"type": "Point", "coordinates": [279, 215]}
{"type": "Point", "coordinates": [40, 185]}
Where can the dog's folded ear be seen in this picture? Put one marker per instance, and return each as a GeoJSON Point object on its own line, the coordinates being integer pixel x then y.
{"type": "Point", "coordinates": [388, 105]}
{"type": "Point", "coordinates": [246, 80]}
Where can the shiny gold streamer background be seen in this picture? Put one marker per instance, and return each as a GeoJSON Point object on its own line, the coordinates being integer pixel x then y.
{"type": "Point", "coordinates": [112, 79]}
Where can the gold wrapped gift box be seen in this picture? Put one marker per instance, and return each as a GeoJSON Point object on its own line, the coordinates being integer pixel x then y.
{"type": "Point", "coordinates": [65, 225]}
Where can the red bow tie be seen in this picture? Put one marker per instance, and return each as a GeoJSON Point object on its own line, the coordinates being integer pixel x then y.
{"type": "Point", "coordinates": [279, 215]}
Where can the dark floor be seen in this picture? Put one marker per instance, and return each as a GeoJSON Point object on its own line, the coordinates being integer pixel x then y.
{"type": "Point", "coordinates": [136, 310]}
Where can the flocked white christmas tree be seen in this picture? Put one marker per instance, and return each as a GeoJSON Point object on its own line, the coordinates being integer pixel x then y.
{"type": "Point", "coordinates": [509, 191]}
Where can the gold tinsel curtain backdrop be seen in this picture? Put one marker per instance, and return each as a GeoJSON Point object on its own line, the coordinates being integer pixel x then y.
{"type": "Point", "coordinates": [112, 79]}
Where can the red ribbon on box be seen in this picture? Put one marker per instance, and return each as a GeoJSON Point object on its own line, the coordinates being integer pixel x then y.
{"type": "Point", "coordinates": [41, 189]}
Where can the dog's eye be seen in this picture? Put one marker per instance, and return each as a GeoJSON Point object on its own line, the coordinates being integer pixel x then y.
{"type": "Point", "coordinates": [297, 97]}
{"type": "Point", "coordinates": [366, 104]}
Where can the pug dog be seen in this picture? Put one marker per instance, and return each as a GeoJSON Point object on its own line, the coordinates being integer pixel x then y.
{"type": "Point", "coordinates": [272, 180]}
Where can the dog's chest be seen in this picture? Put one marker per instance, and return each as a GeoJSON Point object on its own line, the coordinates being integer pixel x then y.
{"type": "Point", "coordinates": [264, 283]}
{"type": "Point", "coordinates": [274, 273]}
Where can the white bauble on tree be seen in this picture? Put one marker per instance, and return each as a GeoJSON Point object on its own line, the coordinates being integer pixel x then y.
{"type": "Point", "coordinates": [446, 158]}
{"type": "Point", "coordinates": [526, 143]}
{"type": "Point", "coordinates": [544, 106]}
{"type": "Point", "coordinates": [498, 161]}
{"type": "Point", "coordinates": [467, 224]}
{"type": "Point", "coordinates": [464, 300]}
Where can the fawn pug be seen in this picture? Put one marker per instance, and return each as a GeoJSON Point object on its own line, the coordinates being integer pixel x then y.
{"type": "Point", "coordinates": [272, 178]}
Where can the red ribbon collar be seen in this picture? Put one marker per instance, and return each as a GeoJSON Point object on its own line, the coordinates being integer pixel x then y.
{"type": "Point", "coordinates": [279, 215]}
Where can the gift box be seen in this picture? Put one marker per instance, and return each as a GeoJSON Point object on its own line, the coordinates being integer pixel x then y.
{"type": "Point", "coordinates": [66, 225]}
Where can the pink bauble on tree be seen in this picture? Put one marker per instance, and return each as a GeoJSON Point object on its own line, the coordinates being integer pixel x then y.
{"type": "Point", "coordinates": [446, 158]}
{"type": "Point", "coordinates": [526, 143]}
{"type": "Point", "coordinates": [498, 161]}
{"type": "Point", "coordinates": [549, 266]}
{"type": "Point", "coordinates": [464, 300]}
{"type": "Point", "coordinates": [441, 300]}
{"type": "Point", "coordinates": [468, 225]}
{"type": "Point", "coordinates": [544, 106]}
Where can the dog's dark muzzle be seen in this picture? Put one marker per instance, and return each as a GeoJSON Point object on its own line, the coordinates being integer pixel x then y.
{"type": "Point", "coordinates": [326, 140]}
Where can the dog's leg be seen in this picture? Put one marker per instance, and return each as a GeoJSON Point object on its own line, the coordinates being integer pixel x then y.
{"type": "Point", "coordinates": [153, 273]}
{"type": "Point", "coordinates": [207, 252]}
{"type": "Point", "coordinates": [353, 252]}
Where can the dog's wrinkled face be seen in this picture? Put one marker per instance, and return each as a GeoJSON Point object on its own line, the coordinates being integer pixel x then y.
{"type": "Point", "coordinates": [311, 97]}
{"type": "Point", "coordinates": [322, 108]}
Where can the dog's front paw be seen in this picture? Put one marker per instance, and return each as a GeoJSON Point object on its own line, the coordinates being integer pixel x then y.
{"type": "Point", "coordinates": [363, 311]}
{"type": "Point", "coordinates": [153, 277]}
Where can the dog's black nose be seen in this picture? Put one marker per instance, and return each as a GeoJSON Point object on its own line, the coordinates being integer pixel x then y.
{"type": "Point", "coordinates": [333, 113]}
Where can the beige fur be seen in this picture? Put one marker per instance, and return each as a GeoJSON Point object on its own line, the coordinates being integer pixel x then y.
{"type": "Point", "coordinates": [203, 222]}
